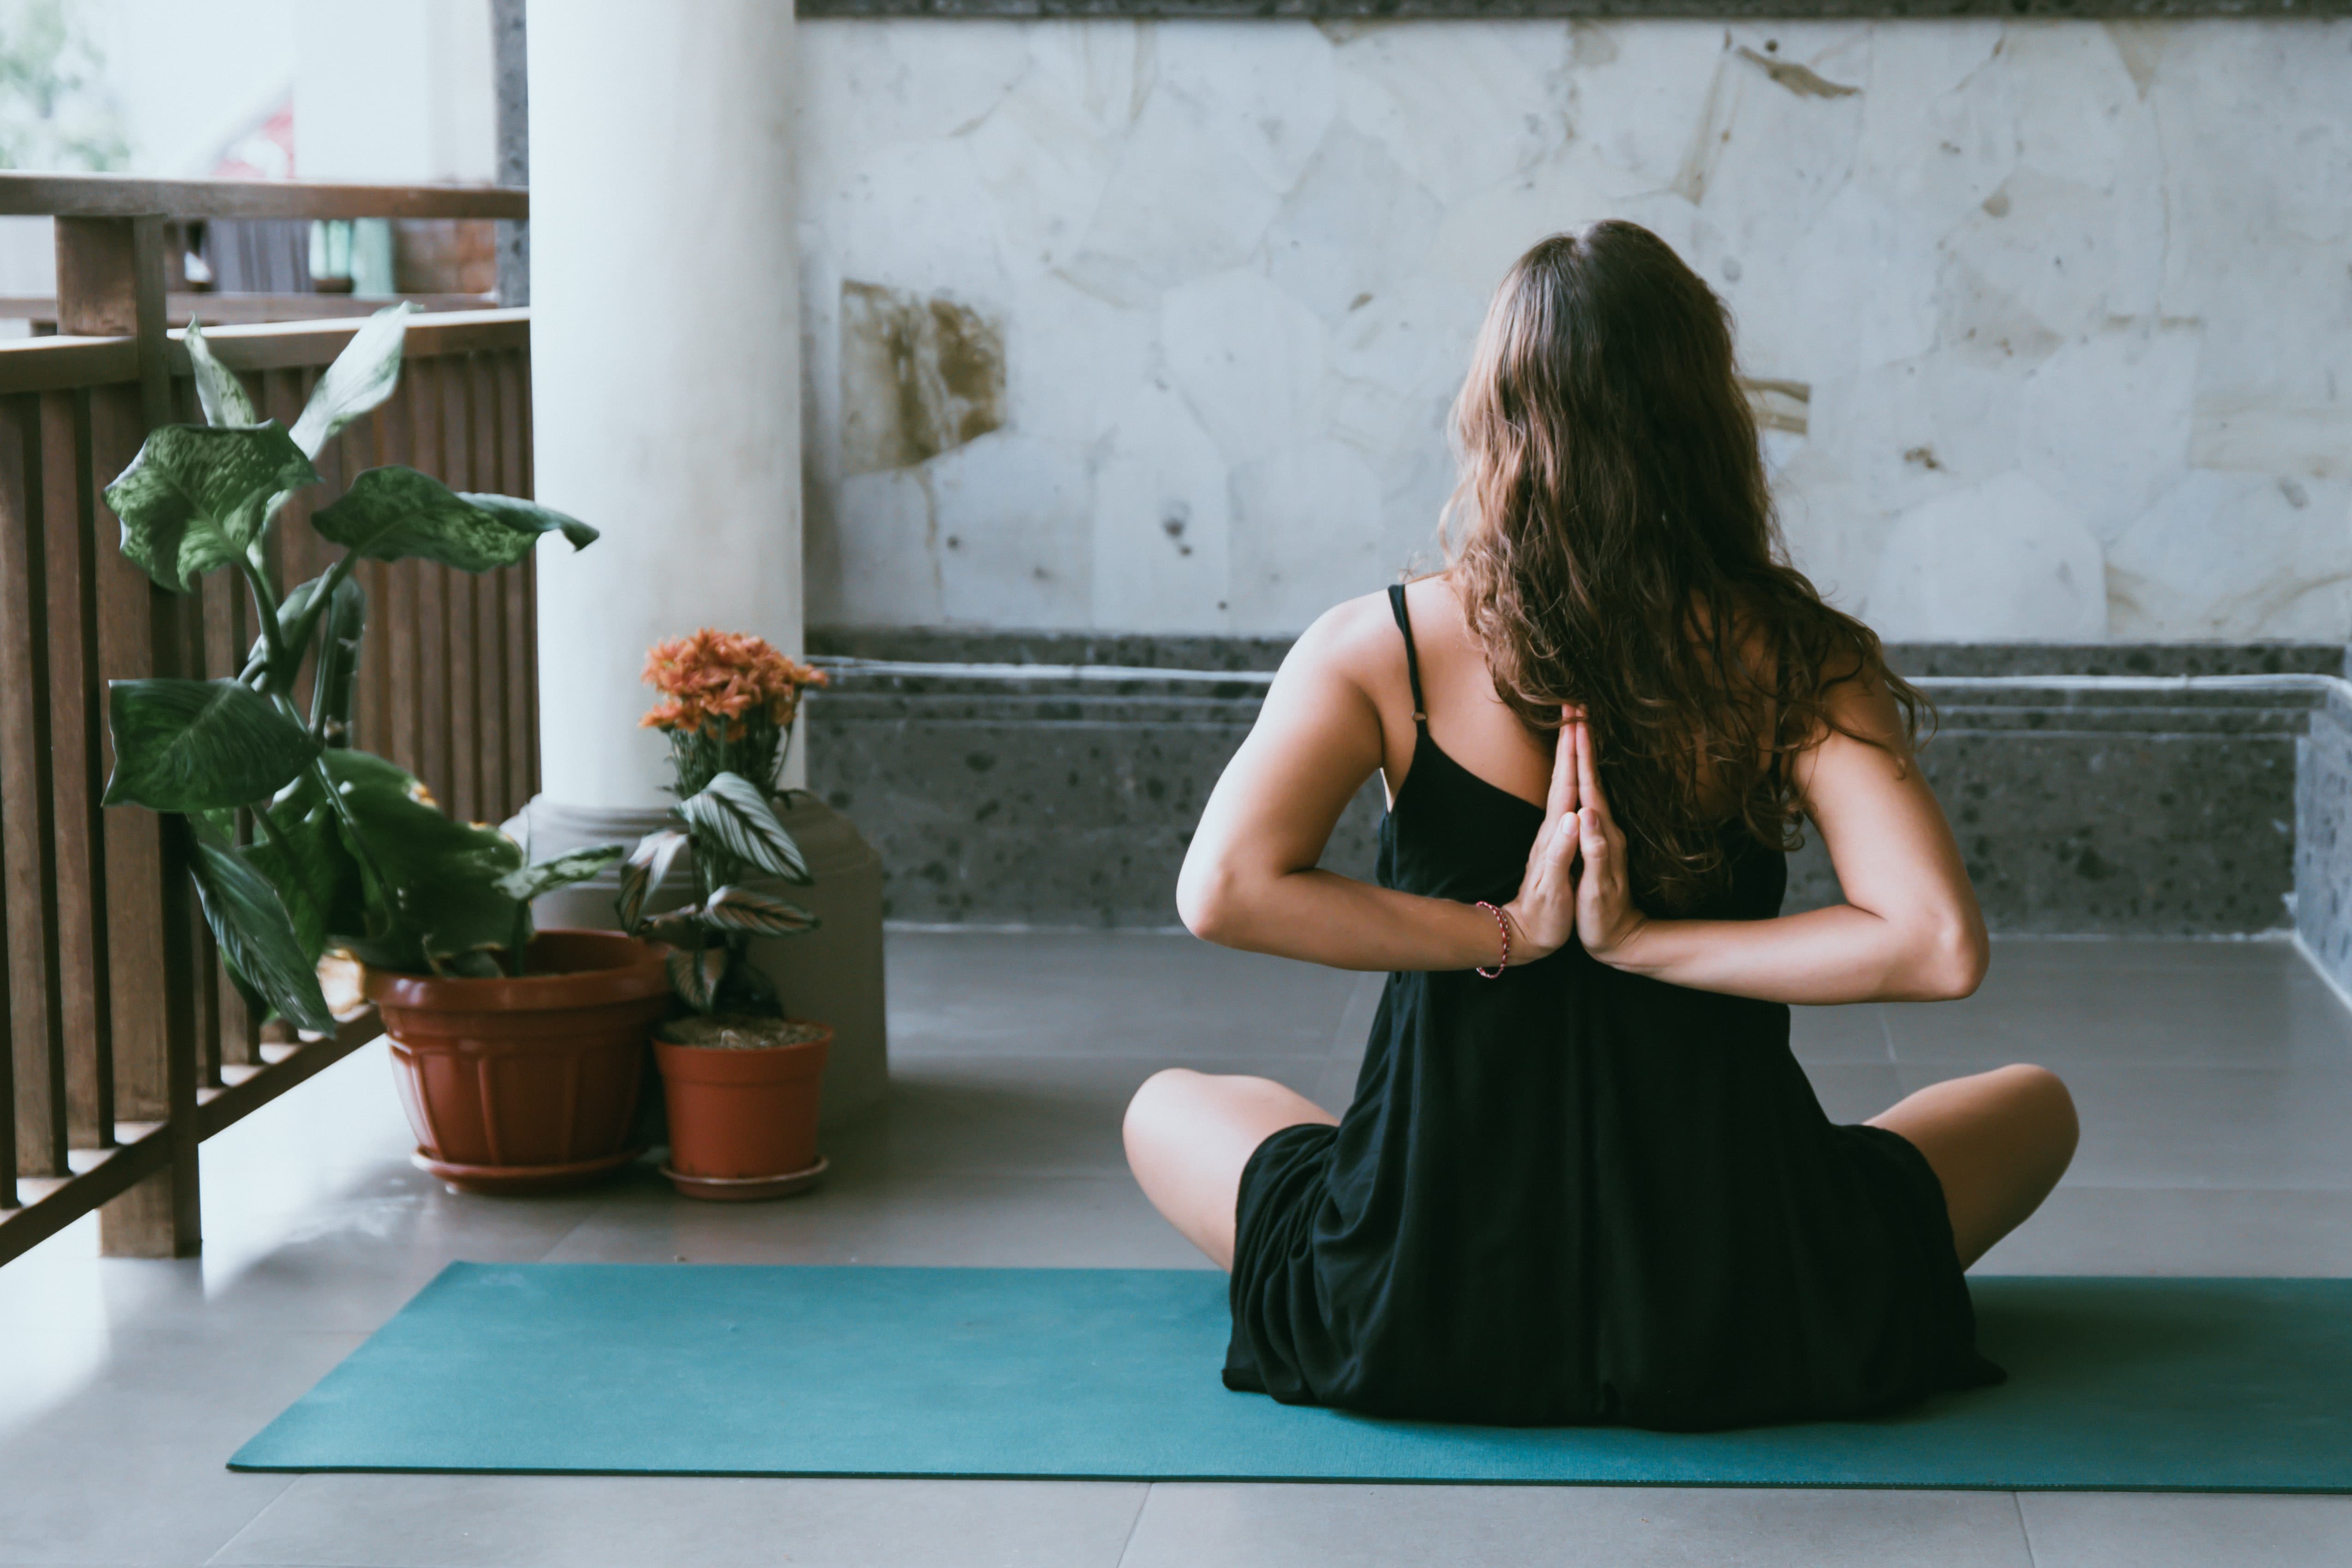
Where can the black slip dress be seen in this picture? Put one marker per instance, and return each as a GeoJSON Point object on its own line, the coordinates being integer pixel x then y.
{"type": "Point", "coordinates": [1574, 1195]}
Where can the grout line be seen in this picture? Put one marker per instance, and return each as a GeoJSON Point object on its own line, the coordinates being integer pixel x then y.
{"type": "Point", "coordinates": [255, 1517]}
{"type": "Point", "coordinates": [2320, 969]}
{"type": "Point", "coordinates": [1127, 1542]}
{"type": "Point", "coordinates": [2024, 1531]}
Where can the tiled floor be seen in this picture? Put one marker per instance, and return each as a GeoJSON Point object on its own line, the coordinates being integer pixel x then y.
{"type": "Point", "coordinates": [2215, 1080]}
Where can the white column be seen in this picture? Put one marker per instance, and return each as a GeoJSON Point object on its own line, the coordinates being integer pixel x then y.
{"type": "Point", "coordinates": [665, 358]}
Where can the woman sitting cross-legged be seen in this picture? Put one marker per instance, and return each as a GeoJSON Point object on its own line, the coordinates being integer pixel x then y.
{"type": "Point", "coordinates": [1583, 1179]}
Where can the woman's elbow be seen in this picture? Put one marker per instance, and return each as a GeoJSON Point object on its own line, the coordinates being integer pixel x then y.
{"type": "Point", "coordinates": [1956, 956]}
{"type": "Point", "coordinates": [1205, 900]}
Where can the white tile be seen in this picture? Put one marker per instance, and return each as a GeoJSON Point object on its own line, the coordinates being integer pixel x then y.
{"type": "Point", "coordinates": [567, 1521]}
{"type": "Point", "coordinates": [2132, 1530]}
{"type": "Point", "coordinates": [1507, 1526]}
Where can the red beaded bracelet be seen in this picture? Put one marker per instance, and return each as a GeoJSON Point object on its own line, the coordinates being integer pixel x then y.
{"type": "Point", "coordinates": [1503, 925]}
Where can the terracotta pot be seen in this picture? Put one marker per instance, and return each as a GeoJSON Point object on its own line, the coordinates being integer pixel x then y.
{"type": "Point", "coordinates": [529, 1084]}
{"type": "Point", "coordinates": [742, 1121]}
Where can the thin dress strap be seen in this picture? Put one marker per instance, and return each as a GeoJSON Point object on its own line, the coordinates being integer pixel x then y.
{"type": "Point", "coordinates": [1411, 656]}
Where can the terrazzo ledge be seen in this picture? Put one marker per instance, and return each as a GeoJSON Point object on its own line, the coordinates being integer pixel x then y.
{"type": "Point", "coordinates": [2122, 804]}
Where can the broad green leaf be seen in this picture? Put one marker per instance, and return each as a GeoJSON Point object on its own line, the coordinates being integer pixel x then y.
{"type": "Point", "coordinates": [735, 812]}
{"type": "Point", "coordinates": [758, 913]}
{"type": "Point", "coordinates": [520, 514]}
{"type": "Point", "coordinates": [218, 390]}
{"type": "Point", "coordinates": [443, 896]}
{"type": "Point", "coordinates": [256, 938]}
{"type": "Point", "coordinates": [695, 976]}
{"type": "Point", "coordinates": [195, 496]}
{"type": "Point", "coordinates": [394, 512]}
{"type": "Point", "coordinates": [362, 377]}
{"type": "Point", "coordinates": [200, 745]}
{"type": "Point", "coordinates": [545, 876]}
{"type": "Point", "coordinates": [644, 871]}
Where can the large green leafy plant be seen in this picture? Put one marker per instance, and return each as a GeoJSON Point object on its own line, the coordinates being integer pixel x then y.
{"type": "Point", "coordinates": [302, 845]}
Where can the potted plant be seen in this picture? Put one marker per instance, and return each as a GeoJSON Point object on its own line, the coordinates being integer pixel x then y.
{"type": "Point", "coordinates": [742, 1079]}
{"type": "Point", "coordinates": [519, 1052]}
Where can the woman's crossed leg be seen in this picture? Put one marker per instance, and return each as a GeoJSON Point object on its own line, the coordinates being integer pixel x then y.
{"type": "Point", "coordinates": [1190, 1134]}
{"type": "Point", "coordinates": [1998, 1141]}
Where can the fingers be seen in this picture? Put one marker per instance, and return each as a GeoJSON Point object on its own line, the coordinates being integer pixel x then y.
{"type": "Point", "coordinates": [1562, 798]}
{"type": "Point", "coordinates": [1588, 773]}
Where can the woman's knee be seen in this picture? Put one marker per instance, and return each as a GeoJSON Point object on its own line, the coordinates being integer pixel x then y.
{"type": "Point", "coordinates": [1154, 1098]}
{"type": "Point", "coordinates": [2042, 1096]}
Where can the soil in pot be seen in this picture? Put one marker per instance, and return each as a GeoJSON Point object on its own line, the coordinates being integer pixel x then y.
{"type": "Point", "coordinates": [526, 1084]}
{"type": "Point", "coordinates": [743, 1101]}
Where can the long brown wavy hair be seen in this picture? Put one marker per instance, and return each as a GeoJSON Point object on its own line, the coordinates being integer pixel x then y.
{"type": "Point", "coordinates": [1615, 546]}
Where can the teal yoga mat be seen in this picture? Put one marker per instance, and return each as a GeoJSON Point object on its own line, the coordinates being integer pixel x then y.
{"type": "Point", "coordinates": [2171, 1385]}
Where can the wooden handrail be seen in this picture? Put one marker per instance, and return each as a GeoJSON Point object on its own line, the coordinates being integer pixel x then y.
{"type": "Point", "coordinates": [54, 365]}
{"type": "Point", "coordinates": [131, 195]}
{"type": "Point", "coordinates": [214, 308]}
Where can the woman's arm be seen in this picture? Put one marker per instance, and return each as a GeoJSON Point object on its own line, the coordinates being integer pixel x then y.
{"type": "Point", "coordinates": [1909, 930]}
{"type": "Point", "coordinates": [1250, 878]}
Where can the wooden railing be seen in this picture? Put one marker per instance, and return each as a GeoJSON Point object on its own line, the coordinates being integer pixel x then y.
{"type": "Point", "coordinates": [121, 1044]}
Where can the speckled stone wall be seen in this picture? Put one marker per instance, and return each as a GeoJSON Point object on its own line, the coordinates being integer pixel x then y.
{"type": "Point", "coordinates": [2323, 848]}
{"type": "Point", "coordinates": [2082, 812]}
{"type": "Point", "coordinates": [1060, 801]}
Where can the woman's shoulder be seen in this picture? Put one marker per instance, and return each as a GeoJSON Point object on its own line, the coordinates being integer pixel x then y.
{"type": "Point", "coordinates": [1356, 636]}
{"type": "Point", "coordinates": [1353, 648]}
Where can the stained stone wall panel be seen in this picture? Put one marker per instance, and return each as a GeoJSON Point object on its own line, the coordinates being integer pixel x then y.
{"type": "Point", "coordinates": [2005, 558]}
{"type": "Point", "coordinates": [2106, 257]}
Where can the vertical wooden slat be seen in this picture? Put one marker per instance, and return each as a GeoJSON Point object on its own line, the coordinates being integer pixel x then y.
{"type": "Point", "coordinates": [488, 642]}
{"type": "Point", "coordinates": [32, 1065]}
{"type": "Point", "coordinates": [198, 616]}
{"type": "Point", "coordinates": [422, 383]}
{"type": "Point", "coordinates": [402, 738]}
{"type": "Point", "coordinates": [512, 371]}
{"type": "Point", "coordinates": [77, 726]}
{"type": "Point", "coordinates": [353, 452]}
{"type": "Point", "coordinates": [296, 554]}
{"type": "Point", "coordinates": [134, 851]}
{"type": "Point", "coordinates": [229, 631]}
{"type": "Point", "coordinates": [468, 801]}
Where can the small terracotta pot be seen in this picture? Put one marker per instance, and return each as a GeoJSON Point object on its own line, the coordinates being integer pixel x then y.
{"type": "Point", "coordinates": [742, 1122]}
{"type": "Point", "coordinates": [529, 1084]}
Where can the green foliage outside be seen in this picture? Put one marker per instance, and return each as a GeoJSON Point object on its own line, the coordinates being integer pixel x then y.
{"type": "Point", "coordinates": [54, 114]}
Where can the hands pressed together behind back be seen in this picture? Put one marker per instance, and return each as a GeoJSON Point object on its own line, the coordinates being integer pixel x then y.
{"type": "Point", "coordinates": [1575, 884]}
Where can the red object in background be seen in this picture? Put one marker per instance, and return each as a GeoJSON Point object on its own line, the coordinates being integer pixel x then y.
{"type": "Point", "coordinates": [264, 152]}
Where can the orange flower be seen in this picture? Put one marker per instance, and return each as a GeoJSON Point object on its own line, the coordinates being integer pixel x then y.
{"type": "Point", "coordinates": [717, 677]}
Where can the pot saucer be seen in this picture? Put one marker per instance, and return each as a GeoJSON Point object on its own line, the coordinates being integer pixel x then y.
{"type": "Point", "coordinates": [737, 1189]}
{"type": "Point", "coordinates": [503, 1180]}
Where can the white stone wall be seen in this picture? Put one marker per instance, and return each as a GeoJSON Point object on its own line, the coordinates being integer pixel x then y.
{"type": "Point", "coordinates": [2063, 312]}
